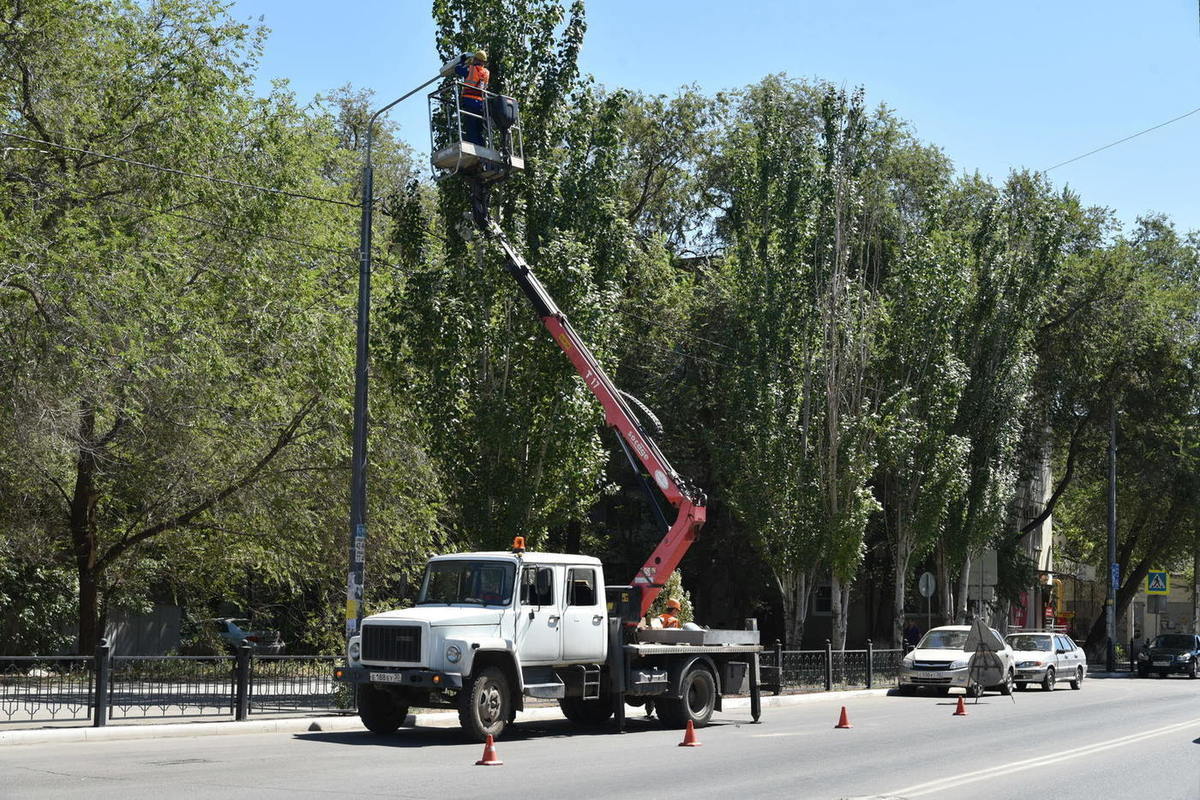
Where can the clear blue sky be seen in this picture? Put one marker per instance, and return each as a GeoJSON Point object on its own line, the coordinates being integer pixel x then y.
{"type": "Point", "coordinates": [995, 85]}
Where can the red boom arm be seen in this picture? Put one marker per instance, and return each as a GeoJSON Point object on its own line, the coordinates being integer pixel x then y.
{"type": "Point", "coordinates": [685, 498]}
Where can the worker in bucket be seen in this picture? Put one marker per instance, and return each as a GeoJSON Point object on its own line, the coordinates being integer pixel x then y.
{"type": "Point", "coordinates": [472, 70]}
{"type": "Point", "coordinates": [670, 617]}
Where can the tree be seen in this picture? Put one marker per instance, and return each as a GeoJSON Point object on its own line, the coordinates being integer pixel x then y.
{"type": "Point", "coordinates": [1015, 240]}
{"type": "Point", "coordinates": [174, 347]}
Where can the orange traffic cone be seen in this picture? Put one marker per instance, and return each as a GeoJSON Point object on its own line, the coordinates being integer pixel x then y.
{"type": "Point", "coordinates": [490, 759]}
{"type": "Point", "coordinates": [844, 722]}
{"type": "Point", "coordinates": [689, 737]}
{"type": "Point", "coordinates": [961, 711]}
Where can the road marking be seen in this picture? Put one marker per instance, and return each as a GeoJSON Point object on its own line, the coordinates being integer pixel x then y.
{"type": "Point", "coordinates": [774, 735]}
{"type": "Point", "coordinates": [955, 781]}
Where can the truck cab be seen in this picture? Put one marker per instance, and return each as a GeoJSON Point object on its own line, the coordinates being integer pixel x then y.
{"type": "Point", "coordinates": [487, 630]}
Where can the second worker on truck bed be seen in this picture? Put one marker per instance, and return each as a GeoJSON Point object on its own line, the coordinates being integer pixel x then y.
{"type": "Point", "coordinates": [670, 617]}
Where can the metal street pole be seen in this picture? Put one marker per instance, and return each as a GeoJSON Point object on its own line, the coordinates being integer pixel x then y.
{"type": "Point", "coordinates": [1114, 569]}
{"type": "Point", "coordinates": [358, 464]}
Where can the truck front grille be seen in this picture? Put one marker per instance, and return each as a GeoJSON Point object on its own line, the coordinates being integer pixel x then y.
{"type": "Point", "coordinates": [392, 643]}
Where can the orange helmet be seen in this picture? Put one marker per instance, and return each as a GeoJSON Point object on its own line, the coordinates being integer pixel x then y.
{"type": "Point", "coordinates": [673, 604]}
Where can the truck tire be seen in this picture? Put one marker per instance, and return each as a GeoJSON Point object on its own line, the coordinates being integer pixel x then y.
{"type": "Point", "coordinates": [699, 692]}
{"type": "Point", "coordinates": [587, 712]}
{"type": "Point", "coordinates": [485, 704]}
{"type": "Point", "coordinates": [378, 709]}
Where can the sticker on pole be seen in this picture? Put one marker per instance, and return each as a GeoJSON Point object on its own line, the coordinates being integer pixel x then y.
{"type": "Point", "coordinates": [1158, 582]}
{"type": "Point", "coordinates": [660, 479]}
{"type": "Point", "coordinates": [1115, 576]}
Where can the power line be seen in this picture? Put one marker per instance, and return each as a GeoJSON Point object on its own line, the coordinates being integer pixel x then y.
{"type": "Point", "coordinates": [173, 171]}
{"type": "Point", "coordinates": [209, 222]}
{"type": "Point", "coordinates": [1120, 141]}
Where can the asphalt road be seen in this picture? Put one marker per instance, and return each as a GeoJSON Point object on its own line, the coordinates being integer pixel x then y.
{"type": "Point", "coordinates": [1113, 739]}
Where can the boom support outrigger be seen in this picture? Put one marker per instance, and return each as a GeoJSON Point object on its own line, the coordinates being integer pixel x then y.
{"type": "Point", "coordinates": [688, 501]}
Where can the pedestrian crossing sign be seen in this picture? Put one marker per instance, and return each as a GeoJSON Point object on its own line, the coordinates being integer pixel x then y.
{"type": "Point", "coordinates": [1158, 582]}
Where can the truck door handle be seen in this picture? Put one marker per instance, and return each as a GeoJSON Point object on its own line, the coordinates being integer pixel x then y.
{"type": "Point", "coordinates": [597, 619]}
{"type": "Point", "coordinates": [553, 620]}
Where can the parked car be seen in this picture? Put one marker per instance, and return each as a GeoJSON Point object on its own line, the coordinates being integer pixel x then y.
{"type": "Point", "coordinates": [233, 631]}
{"type": "Point", "coordinates": [1046, 658]}
{"type": "Point", "coordinates": [939, 662]}
{"type": "Point", "coordinates": [1171, 652]}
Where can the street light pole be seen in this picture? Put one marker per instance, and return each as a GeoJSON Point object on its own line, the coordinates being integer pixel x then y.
{"type": "Point", "coordinates": [358, 464]}
{"type": "Point", "coordinates": [1114, 577]}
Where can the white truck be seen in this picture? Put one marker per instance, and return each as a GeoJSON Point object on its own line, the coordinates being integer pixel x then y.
{"type": "Point", "coordinates": [490, 629]}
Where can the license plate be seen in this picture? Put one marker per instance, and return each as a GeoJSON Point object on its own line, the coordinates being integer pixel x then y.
{"type": "Point", "coordinates": [387, 677]}
{"type": "Point", "coordinates": [1162, 663]}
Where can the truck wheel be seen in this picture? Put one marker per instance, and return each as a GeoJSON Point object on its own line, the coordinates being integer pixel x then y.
{"type": "Point", "coordinates": [587, 712]}
{"type": "Point", "coordinates": [699, 696]}
{"type": "Point", "coordinates": [378, 709]}
{"type": "Point", "coordinates": [484, 704]}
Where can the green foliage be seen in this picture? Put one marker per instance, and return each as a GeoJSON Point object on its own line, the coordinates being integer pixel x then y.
{"type": "Point", "coordinates": [673, 590]}
{"type": "Point", "coordinates": [842, 337]}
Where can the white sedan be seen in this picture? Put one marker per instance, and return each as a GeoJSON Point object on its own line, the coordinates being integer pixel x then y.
{"type": "Point", "coordinates": [940, 662]}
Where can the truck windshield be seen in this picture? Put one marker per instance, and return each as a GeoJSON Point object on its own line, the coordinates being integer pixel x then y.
{"type": "Point", "coordinates": [483, 583]}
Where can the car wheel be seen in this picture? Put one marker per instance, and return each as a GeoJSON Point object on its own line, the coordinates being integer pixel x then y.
{"type": "Point", "coordinates": [1006, 688]}
{"type": "Point", "coordinates": [975, 690]}
{"type": "Point", "coordinates": [1191, 673]}
{"type": "Point", "coordinates": [1048, 681]}
{"type": "Point", "coordinates": [378, 709]}
{"type": "Point", "coordinates": [485, 705]}
{"type": "Point", "coordinates": [587, 712]}
{"type": "Point", "coordinates": [699, 692]}
{"type": "Point", "coordinates": [1077, 681]}
{"type": "Point", "coordinates": [1022, 686]}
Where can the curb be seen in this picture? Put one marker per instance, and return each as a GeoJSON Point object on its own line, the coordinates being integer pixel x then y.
{"type": "Point", "coordinates": [294, 725]}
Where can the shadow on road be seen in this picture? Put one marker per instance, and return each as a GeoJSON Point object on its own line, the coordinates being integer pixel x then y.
{"type": "Point", "coordinates": [453, 737]}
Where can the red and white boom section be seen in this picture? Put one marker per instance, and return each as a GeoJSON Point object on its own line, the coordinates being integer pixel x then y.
{"type": "Point", "coordinates": [687, 500]}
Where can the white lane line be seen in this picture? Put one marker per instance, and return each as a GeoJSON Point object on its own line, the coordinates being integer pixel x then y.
{"type": "Point", "coordinates": [955, 781]}
{"type": "Point", "coordinates": [775, 735]}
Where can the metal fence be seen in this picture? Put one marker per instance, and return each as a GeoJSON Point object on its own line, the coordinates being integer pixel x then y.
{"type": "Point", "coordinates": [828, 669]}
{"type": "Point", "coordinates": [52, 689]}
{"type": "Point", "coordinates": [64, 689]}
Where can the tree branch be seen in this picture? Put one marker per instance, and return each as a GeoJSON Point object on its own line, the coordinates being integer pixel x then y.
{"type": "Point", "coordinates": [285, 437]}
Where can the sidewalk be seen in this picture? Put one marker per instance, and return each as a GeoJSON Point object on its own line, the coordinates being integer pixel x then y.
{"type": "Point", "coordinates": [343, 722]}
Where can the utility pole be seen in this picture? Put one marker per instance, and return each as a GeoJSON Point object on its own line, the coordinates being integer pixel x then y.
{"type": "Point", "coordinates": [358, 459]}
{"type": "Point", "coordinates": [1114, 569]}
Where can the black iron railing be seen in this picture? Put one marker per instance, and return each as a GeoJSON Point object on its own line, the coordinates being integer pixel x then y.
{"type": "Point", "coordinates": [64, 688]}
{"type": "Point", "coordinates": [828, 669]}
{"type": "Point", "coordinates": [41, 688]}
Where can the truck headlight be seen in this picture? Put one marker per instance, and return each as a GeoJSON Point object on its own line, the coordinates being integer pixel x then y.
{"type": "Point", "coordinates": [453, 654]}
{"type": "Point", "coordinates": [354, 650]}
